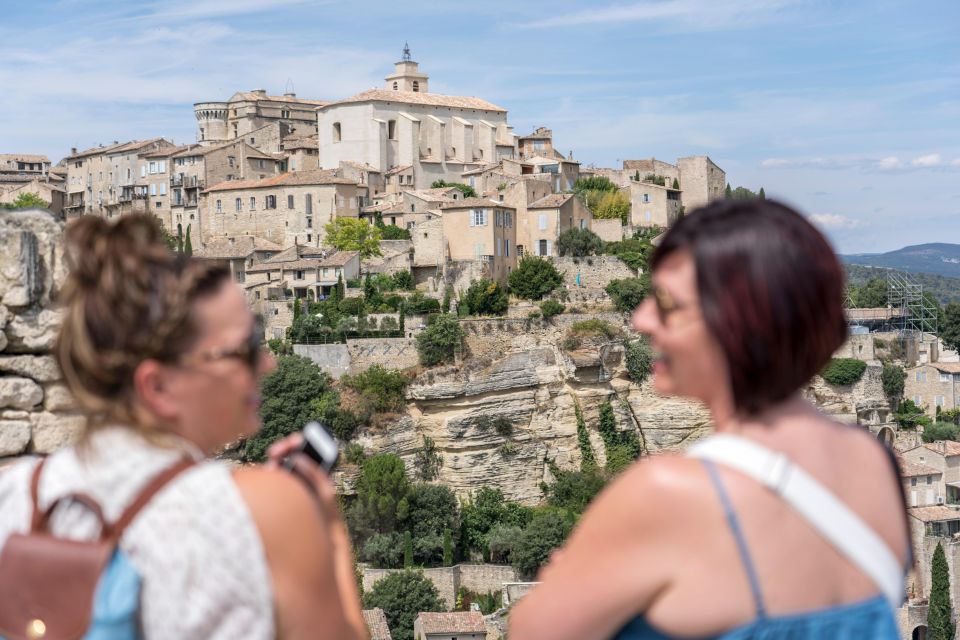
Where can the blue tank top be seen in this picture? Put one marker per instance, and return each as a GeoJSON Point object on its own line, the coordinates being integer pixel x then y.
{"type": "Point", "coordinates": [873, 618]}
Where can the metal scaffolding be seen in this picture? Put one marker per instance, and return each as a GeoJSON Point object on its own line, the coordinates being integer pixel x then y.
{"type": "Point", "coordinates": [917, 313]}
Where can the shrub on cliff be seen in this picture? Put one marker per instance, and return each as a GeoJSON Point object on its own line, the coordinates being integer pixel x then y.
{"type": "Point", "coordinates": [534, 278]}
{"type": "Point", "coordinates": [484, 298]}
{"type": "Point", "coordinates": [628, 293]}
{"type": "Point", "coordinates": [579, 243]}
{"type": "Point", "coordinates": [843, 371]}
{"type": "Point", "coordinates": [438, 342]}
{"type": "Point", "coordinates": [639, 359]}
{"type": "Point", "coordinates": [547, 530]}
{"type": "Point", "coordinates": [893, 378]}
{"type": "Point", "coordinates": [550, 308]}
{"type": "Point", "coordinates": [383, 388]}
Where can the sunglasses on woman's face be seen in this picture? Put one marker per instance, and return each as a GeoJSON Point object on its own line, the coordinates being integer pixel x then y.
{"type": "Point", "coordinates": [249, 352]}
{"type": "Point", "coordinates": [666, 305]}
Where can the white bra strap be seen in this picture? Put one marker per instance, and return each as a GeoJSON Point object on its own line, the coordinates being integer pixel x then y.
{"type": "Point", "coordinates": [834, 520]}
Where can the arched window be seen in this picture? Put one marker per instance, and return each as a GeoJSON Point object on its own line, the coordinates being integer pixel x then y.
{"type": "Point", "coordinates": [336, 132]}
{"type": "Point", "coordinates": [416, 85]}
{"type": "Point", "coordinates": [395, 85]}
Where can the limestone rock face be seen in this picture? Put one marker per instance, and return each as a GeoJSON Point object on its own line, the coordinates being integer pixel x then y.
{"type": "Point", "coordinates": [52, 431]}
{"type": "Point", "coordinates": [19, 393]}
{"type": "Point", "coordinates": [40, 368]}
{"type": "Point", "coordinates": [31, 264]}
{"type": "Point", "coordinates": [33, 331]}
{"type": "Point", "coordinates": [14, 436]}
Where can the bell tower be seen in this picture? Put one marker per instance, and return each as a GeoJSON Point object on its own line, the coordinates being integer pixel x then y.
{"type": "Point", "coordinates": [406, 75]}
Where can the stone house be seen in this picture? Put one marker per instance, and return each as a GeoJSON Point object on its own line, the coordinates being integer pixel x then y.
{"type": "Point", "coordinates": [305, 271]}
{"type": "Point", "coordinates": [423, 200]}
{"type": "Point", "coordinates": [922, 485]}
{"type": "Point", "coordinates": [537, 144]}
{"type": "Point", "coordinates": [291, 208]}
{"type": "Point", "coordinates": [540, 226]}
{"type": "Point", "coordinates": [248, 111]}
{"type": "Point", "coordinates": [701, 180]}
{"type": "Point", "coordinates": [302, 152]}
{"type": "Point", "coordinates": [45, 189]}
{"type": "Point", "coordinates": [376, 621]}
{"type": "Point", "coordinates": [561, 173]}
{"type": "Point", "coordinates": [240, 252]}
{"type": "Point", "coordinates": [27, 166]}
{"type": "Point", "coordinates": [108, 180]}
{"type": "Point", "coordinates": [455, 625]}
{"type": "Point", "coordinates": [483, 230]}
{"type": "Point", "coordinates": [429, 254]}
{"type": "Point", "coordinates": [644, 168]}
{"type": "Point", "coordinates": [366, 176]}
{"type": "Point", "coordinates": [933, 385]}
{"type": "Point", "coordinates": [944, 458]}
{"type": "Point", "coordinates": [652, 205]}
{"type": "Point", "coordinates": [403, 125]}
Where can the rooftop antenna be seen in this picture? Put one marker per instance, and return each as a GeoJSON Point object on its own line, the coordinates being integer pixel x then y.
{"type": "Point", "coordinates": [406, 52]}
{"type": "Point", "coordinates": [288, 88]}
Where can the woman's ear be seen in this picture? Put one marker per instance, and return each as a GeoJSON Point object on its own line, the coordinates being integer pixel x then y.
{"type": "Point", "coordinates": [153, 387]}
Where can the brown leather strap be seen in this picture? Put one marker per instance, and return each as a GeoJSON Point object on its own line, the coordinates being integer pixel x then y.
{"type": "Point", "coordinates": [148, 492]}
{"type": "Point", "coordinates": [34, 495]}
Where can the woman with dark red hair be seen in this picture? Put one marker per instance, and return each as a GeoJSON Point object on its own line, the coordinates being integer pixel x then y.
{"type": "Point", "coordinates": [784, 523]}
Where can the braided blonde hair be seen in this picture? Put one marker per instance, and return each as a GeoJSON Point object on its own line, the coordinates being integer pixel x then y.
{"type": "Point", "coordinates": [128, 298]}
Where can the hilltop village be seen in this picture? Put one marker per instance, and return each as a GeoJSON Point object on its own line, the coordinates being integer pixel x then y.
{"type": "Point", "coordinates": [454, 299]}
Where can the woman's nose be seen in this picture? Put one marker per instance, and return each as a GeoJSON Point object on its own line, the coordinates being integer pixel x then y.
{"type": "Point", "coordinates": [643, 318]}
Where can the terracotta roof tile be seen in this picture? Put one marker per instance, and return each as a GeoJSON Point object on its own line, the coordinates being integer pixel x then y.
{"type": "Point", "coordinates": [23, 157]}
{"type": "Point", "coordinates": [376, 621]}
{"type": "Point", "coordinates": [453, 622]}
{"type": "Point", "coordinates": [289, 179]}
{"type": "Point", "coordinates": [234, 247]}
{"type": "Point", "coordinates": [256, 97]}
{"type": "Point", "coordinates": [467, 203]}
{"type": "Point", "coordinates": [946, 367]}
{"type": "Point", "coordinates": [946, 448]}
{"type": "Point", "coordinates": [552, 201]}
{"type": "Point", "coordinates": [911, 469]}
{"type": "Point", "coordinates": [416, 97]}
{"type": "Point", "coordinates": [938, 513]}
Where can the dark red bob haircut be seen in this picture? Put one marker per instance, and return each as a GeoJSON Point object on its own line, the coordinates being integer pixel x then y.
{"type": "Point", "coordinates": [771, 291]}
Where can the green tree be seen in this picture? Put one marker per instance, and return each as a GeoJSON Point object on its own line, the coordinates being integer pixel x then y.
{"type": "Point", "coordinates": [179, 238]}
{"type": "Point", "coordinates": [402, 595]}
{"type": "Point", "coordinates": [384, 550]}
{"type": "Point", "coordinates": [168, 239]}
{"type": "Point", "coordinates": [403, 280]}
{"type": "Point", "coordinates": [579, 243]}
{"type": "Point", "coordinates": [940, 431]}
{"type": "Point", "coordinates": [573, 490]}
{"type": "Point", "coordinates": [550, 308]}
{"type": "Point", "coordinates": [287, 395]}
{"type": "Point", "coordinates": [28, 201]}
{"type": "Point", "coordinates": [439, 341]}
{"type": "Point", "coordinates": [639, 359]}
{"type": "Point", "coordinates": [843, 371]}
{"type": "Point", "coordinates": [628, 293]}
{"type": "Point", "coordinates": [502, 539]}
{"type": "Point", "coordinates": [465, 189]}
{"type": "Point", "coordinates": [353, 234]}
{"type": "Point", "coordinates": [534, 278]}
{"type": "Point", "coordinates": [485, 298]}
{"type": "Point", "coordinates": [447, 548]}
{"type": "Point", "coordinates": [407, 549]}
{"type": "Point", "coordinates": [484, 510]}
{"type": "Point", "coordinates": [594, 183]}
{"type": "Point", "coordinates": [382, 497]}
{"type": "Point", "coordinates": [383, 388]}
{"type": "Point", "coordinates": [762, 194]}
{"type": "Point", "coordinates": [622, 447]}
{"type": "Point", "coordinates": [940, 610]}
{"type": "Point", "coordinates": [873, 294]}
{"type": "Point", "coordinates": [728, 192]}
{"type": "Point", "coordinates": [428, 460]}
{"type": "Point", "coordinates": [613, 205]}
{"type": "Point", "coordinates": [893, 378]}
{"type": "Point", "coordinates": [676, 184]}
{"type": "Point", "coordinates": [187, 244]}
{"type": "Point", "coordinates": [587, 460]}
{"type": "Point", "coordinates": [393, 232]}
{"type": "Point", "coordinates": [910, 416]}
{"type": "Point", "coordinates": [547, 531]}
{"type": "Point", "coordinates": [949, 325]}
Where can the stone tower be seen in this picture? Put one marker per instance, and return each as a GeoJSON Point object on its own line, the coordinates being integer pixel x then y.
{"type": "Point", "coordinates": [211, 122]}
{"type": "Point", "coordinates": [407, 76]}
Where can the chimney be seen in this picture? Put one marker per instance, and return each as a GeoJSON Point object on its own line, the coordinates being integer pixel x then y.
{"type": "Point", "coordinates": [290, 95]}
{"type": "Point", "coordinates": [260, 92]}
{"type": "Point", "coordinates": [73, 151]}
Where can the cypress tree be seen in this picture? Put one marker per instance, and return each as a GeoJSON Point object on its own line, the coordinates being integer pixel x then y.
{"type": "Point", "coordinates": [187, 245]}
{"type": "Point", "coordinates": [676, 183]}
{"type": "Point", "coordinates": [179, 238]}
{"type": "Point", "coordinates": [407, 549]}
{"type": "Point", "coordinates": [337, 293]}
{"type": "Point", "coordinates": [762, 195]}
{"type": "Point", "coordinates": [447, 548]}
{"type": "Point", "coordinates": [939, 626]}
{"type": "Point", "coordinates": [403, 317]}
{"type": "Point", "coordinates": [728, 192]}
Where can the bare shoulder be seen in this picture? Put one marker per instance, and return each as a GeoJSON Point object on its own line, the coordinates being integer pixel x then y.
{"type": "Point", "coordinates": [280, 504]}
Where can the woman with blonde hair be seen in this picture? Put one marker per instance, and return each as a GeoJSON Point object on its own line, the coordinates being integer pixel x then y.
{"type": "Point", "coordinates": [163, 355]}
{"type": "Point", "coordinates": [784, 524]}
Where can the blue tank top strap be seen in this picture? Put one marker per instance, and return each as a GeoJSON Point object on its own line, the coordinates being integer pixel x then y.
{"type": "Point", "coordinates": [731, 516]}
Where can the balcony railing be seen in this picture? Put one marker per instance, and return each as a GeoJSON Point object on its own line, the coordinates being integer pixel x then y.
{"type": "Point", "coordinates": [188, 182]}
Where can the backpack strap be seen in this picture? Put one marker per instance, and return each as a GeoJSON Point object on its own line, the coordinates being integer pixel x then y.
{"type": "Point", "coordinates": [826, 513]}
{"type": "Point", "coordinates": [155, 485]}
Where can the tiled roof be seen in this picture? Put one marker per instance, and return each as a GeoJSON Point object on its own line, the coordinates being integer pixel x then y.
{"type": "Point", "coordinates": [911, 469]}
{"type": "Point", "coordinates": [433, 195]}
{"type": "Point", "coordinates": [303, 258]}
{"type": "Point", "coordinates": [376, 621]}
{"type": "Point", "coordinates": [23, 157]}
{"type": "Point", "coordinates": [256, 97]}
{"type": "Point", "coordinates": [289, 179]}
{"type": "Point", "coordinates": [120, 147]}
{"type": "Point", "coordinates": [399, 169]}
{"type": "Point", "coordinates": [552, 201]}
{"type": "Point", "coordinates": [481, 169]}
{"type": "Point", "coordinates": [453, 622]}
{"type": "Point", "coordinates": [164, 152]}
{"type": "Point", "coordinates": [360, 165]}
{"type": "Point", "coordinates": [234, 247]}
{"type": "Point", "coordinates": [300, 142]}
{"type": "Point", "coordinates": [945, 448]}
{"type": "Point", "coordinates": [946, 367]}
{"type": "Point", "coordinates": [467, 203]}
{"type": "Point", "coordinates": [538, 135]}
{"type": "Point", "coordinates": [934, 514]}
{"type": "Point", "coordinates": [416, 97]}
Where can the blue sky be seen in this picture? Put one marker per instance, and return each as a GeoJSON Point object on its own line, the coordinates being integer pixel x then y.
{"type": "Point", "coordinates": [850, 110]}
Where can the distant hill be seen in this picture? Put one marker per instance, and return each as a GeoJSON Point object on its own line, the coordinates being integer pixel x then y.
{"type": "Point", "coordinates": [939, 258]}
{"type": "Point", "coordinates": [943, 288]}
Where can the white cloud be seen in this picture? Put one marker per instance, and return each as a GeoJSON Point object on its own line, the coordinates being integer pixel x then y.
{"type": "Point", "coordinates": [890, 163]}
{"type": "Point", "coordinates": [834, 221]}
{"type": "Point", "coordinates": [955, 163]}
{"type": "Point", "coordinates": [698, 14]}
{"type": "Point", "coordinates": [929, 160]}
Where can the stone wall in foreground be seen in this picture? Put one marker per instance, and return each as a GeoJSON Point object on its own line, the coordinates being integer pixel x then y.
{"type": "Point", "coordinates": [36, 410]}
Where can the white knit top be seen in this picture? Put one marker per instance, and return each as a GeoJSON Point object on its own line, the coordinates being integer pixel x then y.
{"type": "Point", "coordinates": [195, 543]}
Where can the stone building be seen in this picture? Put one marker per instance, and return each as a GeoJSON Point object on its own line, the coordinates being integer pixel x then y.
{"type": "Point", "coordinates": [455, 625]}
{"type": "Point", "coordinates": [701, 180]}
{"type": "Point", "coordinates": [481, 230]}
{"type": "Point", "coordinates": [26, 166]}
{"type": "Point", "coordinates": [301, 152]}
{"type": "Point", "coordinates": [46, 189]}
{"type": "Point", "coordinates": [291, 208]}
{"type": "Point", "coordinates": [110, 180]}
{"type": "Point", "coordinates": [537, 144]}
{"type": "Point", "coordinates": [403, 130]}
{"type": "Point", "coordinates": [248, 111]}
{"type": "Point", "coordinates": [376, 621]}
{"type": "Point", "coordinates": [307, 272]}
{"type": "Point", "coordinates": [653, 205]}
{"type": "Point", "coordinates": [540, 226]}
{"type": "Point", "coordinates": [239, 252]}
{"type": "Point", "coordinates": [933, 385]}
